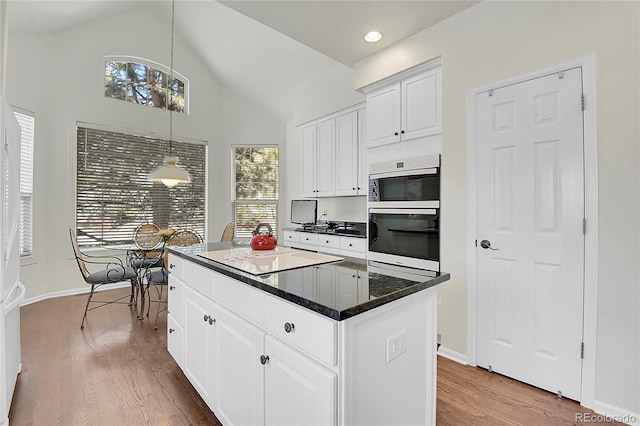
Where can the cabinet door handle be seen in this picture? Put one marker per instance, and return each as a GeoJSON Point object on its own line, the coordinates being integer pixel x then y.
{"type": "Point", "coordinates": [212, 321]}
{"type": "Point", "coordinates": [171, 266]}
{"type": "Point", "coordinates": [171, 287]}
{"type": "Point", "coordinates": [402, 132]}
{"type": "Point", "coordinates": [350, 245]}
{"type": "Point", "coordinates": [289, 327]}
{"type": "Point", "coordinates": [171, 330]}
{"type": "Point", "coordinates": [264, 359]}
{"type": "Point", "coordinates": [395, 134]}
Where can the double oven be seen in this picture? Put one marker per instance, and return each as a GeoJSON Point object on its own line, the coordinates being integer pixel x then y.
{"type": "Point", "coordinates": [404, 213]}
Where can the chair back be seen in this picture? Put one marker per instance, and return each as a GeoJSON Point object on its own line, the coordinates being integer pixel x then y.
{"type": "Point", "coordinates": [78, 254]}
{"type": "Point", "coordinates": [185, 237]}
{"type": "Point", "coordinates": [146, 236]}
{"type": "Point", "coordinates": [227, 234]}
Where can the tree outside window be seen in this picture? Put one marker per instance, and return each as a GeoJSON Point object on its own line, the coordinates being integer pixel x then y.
{"type": "Point", "coordinates": [255, 199]}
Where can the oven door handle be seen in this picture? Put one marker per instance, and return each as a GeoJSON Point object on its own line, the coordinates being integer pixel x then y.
{"type": "Point", "coordinates": [404, 211]}
{"type": "Point", "coordinates": [403, 172]}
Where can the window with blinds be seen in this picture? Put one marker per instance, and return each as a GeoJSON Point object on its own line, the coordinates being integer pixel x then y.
{"type": "Point", "coordinates": [27, 126]}
{"type": "Point", "coordinates": [255, 199]}
{"type": "Point", "coordinates": [114, 194]}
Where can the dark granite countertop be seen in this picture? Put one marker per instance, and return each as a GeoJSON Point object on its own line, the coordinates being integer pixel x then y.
{"type": "Point", "coordinates": [322, 288]}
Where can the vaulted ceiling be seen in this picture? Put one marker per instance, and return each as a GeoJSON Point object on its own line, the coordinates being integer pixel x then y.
{"type": "Point", "coordinates": [264, 48]}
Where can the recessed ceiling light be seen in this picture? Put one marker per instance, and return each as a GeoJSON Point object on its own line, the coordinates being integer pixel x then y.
{"type": "Point", "coordinates": [373, 36]}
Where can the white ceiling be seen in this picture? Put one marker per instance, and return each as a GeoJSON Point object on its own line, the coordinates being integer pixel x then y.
{"type": "Point", "coordinates": [261, 49]}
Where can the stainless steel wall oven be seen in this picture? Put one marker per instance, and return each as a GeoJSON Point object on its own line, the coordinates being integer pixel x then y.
{"type": "Point", "coordinates": [404, 213]}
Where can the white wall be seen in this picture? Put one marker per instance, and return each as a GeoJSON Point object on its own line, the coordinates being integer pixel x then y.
{"type": "Point", "coordinates": [495, 40]}
{"type": "Point", "coordinates": [61, 79]}
{"type": "Point", "coordinates": [3, 39]}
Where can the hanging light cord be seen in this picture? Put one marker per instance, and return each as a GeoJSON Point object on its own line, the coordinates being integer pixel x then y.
{"type": "Point", "coordinates": [173, 18]}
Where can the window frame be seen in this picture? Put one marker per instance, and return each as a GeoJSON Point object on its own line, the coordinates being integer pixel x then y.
{"type": "Point", "coordinates": [154, 64]}
{"type": "Point", "coordinates": [29, 257]}
{"type": "Point", "coordinates": [127, 131]}
{"type": "Point", "coordinates": [234, 201]}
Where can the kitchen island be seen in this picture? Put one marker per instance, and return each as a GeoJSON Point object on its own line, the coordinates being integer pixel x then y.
{"type": "Point", "coordinates": [342, 342]}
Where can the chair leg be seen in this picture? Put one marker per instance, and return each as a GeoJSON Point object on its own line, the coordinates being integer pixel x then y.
{"type": "Point", "coordinates": [87, 306]}
{"type": "Point", "coordinates": [158, 312]}
{"type": "Point", "coordinates": [133, 298]}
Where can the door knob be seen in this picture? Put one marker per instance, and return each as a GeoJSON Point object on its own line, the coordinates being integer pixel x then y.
{"type": "Point", "coordinates": [486, 244]}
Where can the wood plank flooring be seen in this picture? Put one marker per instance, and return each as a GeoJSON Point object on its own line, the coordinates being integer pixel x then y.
{"type": "Point", "coordinates": [117, 371]}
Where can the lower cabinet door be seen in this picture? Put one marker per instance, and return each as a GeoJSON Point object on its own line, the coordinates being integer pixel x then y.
{"type": "Point", "coordinates": [238, 374]}
{"type": "Point", "coordinates": [298, 391]}
{"type": "Point", "coordinates": [199, 337]}
{"type": "Point", "coordinates": [174, 340]}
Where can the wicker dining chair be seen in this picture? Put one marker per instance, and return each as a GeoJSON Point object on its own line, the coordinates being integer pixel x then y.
{"type": "Point", "coordinates": [227, 234]}
{"type": "Point", "coordinates": [112, 271]}
{"type": "Point", "coordinates": [159, 279]}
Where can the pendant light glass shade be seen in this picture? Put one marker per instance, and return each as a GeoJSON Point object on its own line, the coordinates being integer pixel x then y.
{"type": "Point", "coordinates": [169, 173]}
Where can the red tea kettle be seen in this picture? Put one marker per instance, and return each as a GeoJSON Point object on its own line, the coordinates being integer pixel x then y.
{"type": "Point", "coordinates": [262, 241]}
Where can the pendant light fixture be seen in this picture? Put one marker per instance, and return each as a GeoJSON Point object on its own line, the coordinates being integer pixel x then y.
{"type": "Point", "coordinates": [169, 173]}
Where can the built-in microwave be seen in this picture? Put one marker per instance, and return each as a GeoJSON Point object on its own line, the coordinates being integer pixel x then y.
{"type": "Point", "coordinates": [408, 237]}
{"type": "Point", "coordinates": [414, 182]}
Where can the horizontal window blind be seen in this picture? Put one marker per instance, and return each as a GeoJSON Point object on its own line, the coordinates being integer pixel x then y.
{"type": "Point", "coordinates": [27, 127]}
{"type": "Point", "coordinates": [114, 195]}
{"type": "Point", "coordinates": [248, 214]}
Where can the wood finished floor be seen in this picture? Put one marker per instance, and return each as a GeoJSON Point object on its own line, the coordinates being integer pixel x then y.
{"type": "Point", "coordinates": [117, 371]}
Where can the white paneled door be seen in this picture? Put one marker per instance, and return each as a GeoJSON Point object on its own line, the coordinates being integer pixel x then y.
{"type": "Point", "coordinates": [530, 255]}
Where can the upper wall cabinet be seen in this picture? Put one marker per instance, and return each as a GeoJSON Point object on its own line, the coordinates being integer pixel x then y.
{"type": "Point", "coordinates": [333, 155]}
{"type": "Point", "coordinates": [404, 107]}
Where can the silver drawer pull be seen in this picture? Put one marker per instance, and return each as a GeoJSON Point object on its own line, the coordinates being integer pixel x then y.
{"type": "Point", "coordinates": [289, 327]}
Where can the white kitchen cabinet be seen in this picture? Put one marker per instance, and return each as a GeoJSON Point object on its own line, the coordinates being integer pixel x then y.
{"type": "Point", "coordinates": [175, 320]}
{"type": "Point", "coordinates": [237, 373]}
{"type": "Point", "coordinates": [333, 244]}
{"type": "Point", "coordinates": [318, 159]}
{"type": "Point", "coordinates": [405, 107]}
{"type": "Point", "coordinates": [308, 149]}
{"type": "Point", "coordinates": [333, 155]}
{"type": "Point", "coordinates": [298, 391]}
{"type": "Point", "coordinates": [350, 161]}
{"type": "Point", "coordinates": [199, 339]}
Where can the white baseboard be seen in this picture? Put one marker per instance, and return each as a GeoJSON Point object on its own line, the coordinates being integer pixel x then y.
{"type": "Point", "coordinates": [81, 290]}
{"type": "Point", "coordinates": [452, 355]}
{"type": "Point", "coordinates": [609, 412]}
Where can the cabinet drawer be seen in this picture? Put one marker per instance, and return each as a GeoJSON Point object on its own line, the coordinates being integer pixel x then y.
{"type": "Point", "coordinates": [174, 298]}
{"type": "Point", "coordinates": [241, 298]}
{"type": "Point", "coordinates": [332, 241]}
{"type": "Point", "coordinates": [199, 277]}
{"type": "Point", "coordinates": [176, 266]}
{"type": "Point", "coordinates": [353, 244]}
{"type": "Point", "coordinates": [291, 237]}
{"type": "Point", "coordinates": [308, 238]}
{"type": "Point", "coordinates": [308, 331]}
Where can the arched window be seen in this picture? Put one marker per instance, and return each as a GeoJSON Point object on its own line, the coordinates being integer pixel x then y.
{"type": "Point", "coordinates": [145, 82]}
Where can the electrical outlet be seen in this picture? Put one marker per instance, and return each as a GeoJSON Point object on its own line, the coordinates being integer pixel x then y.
{"type": "Point", "coordinates": [396, 345]}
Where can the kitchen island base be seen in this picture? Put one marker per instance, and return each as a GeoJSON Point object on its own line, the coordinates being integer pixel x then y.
{"type": "Point", "coordinates": [257, 358]}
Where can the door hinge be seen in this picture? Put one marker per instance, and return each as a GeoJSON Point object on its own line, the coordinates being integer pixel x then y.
{"type": "Point", "coordinates": [582, 350]}
{"type": "Point", "coordinates": [584, 226]}
{"type": "Point", "coordinates": [582, 101]}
